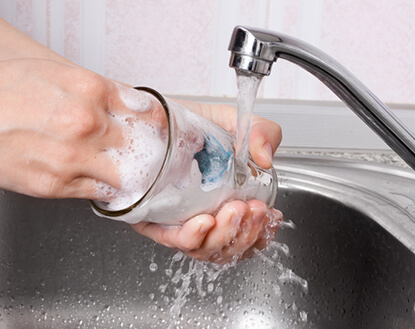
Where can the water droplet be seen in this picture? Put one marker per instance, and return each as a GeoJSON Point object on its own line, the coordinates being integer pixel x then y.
{"type": "Point", "coordinates": [304, 285]}
{"type": "Point", "coordinates": [288, 224]}
{"type": "Point", "coordinates": [277, 290]}
{"type": "Point", "coordinates": [163, 288]}
{"type": "Point", "coordinates": [153, 267]}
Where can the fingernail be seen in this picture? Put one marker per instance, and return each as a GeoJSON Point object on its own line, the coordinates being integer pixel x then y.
{"type": "Point", "coordinates": [267, 149]}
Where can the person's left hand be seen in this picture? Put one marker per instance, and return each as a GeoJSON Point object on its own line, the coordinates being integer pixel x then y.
{"type": "Point", "coordinates": [239, 227]}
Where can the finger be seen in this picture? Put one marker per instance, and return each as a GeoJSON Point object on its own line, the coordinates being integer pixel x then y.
{"type": "Point", "coordinates": [153, 231]}
{"type": "Point", "coordinates": [79, 188]}
{"type": "Point", "coordinates": [112, 136]}
{"type": "Point", "coordinates": [122, 99]}
{"type": "Point", "coordinates": [81, 176]}
{"type": "Point", "coordinates": [250, 231]}
{"type": "Point", "coordinates": [274, 218]}
{"type": "Point", "coordinates": [191, 235]}
{"type": "Point", "coordinates": [265, 138]}
{"type": "Point", "coordinates": [138, 105]}
{"type": "Point", "coordinates": [186, 237]}
{"type": "Point", "coordinates": [221, 115]}
{"type": "Point", "coordinates": [101, 168]}
{"type": "Point", "coordinates": [45, 183]}
{"type": "Point", "coordinates": [227, 225]}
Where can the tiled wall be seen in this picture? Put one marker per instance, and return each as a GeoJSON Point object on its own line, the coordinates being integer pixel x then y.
{"type": "Point", "coordinates": [179, 46]}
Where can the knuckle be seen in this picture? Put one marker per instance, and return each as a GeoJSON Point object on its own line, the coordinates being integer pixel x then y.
{"type": "Point", "coordinates": [86, 122]}
{"type": "Point", "coordinates": [48, 185]}
{"type": "Point", "coordinates": [82, 121]}
{"type": "Point", "coordinates": [90, 84]}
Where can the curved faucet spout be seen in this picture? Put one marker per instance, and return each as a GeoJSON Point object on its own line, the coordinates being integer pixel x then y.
{"type": "Point", "coordinates": [255, 50]}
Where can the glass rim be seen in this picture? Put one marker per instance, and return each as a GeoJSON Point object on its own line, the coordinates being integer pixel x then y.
{"type": "Point", "coordinates": [120, 212]}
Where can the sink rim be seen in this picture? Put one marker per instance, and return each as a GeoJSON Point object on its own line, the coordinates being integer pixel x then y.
{"type": "Point", "coordinates": [384, 193]}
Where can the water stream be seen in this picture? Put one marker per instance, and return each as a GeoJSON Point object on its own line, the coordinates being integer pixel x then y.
{"type": "Point", "coordinates": [247, 90]}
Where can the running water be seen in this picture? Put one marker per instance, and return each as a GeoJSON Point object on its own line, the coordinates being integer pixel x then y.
{"type": "Point", "coordinates": [186, 277]}
{"type": "Point", "coordinates": [247, 90]}
{"type": "Point", "coordinates": [234, 295]}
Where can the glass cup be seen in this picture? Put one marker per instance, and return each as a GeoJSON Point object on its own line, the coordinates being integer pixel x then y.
{"type": "Point", "coordinates": [196, 175]}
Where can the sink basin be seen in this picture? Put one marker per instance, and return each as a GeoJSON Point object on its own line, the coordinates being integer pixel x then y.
{"type": "Point", "coordinates": [350, 262]}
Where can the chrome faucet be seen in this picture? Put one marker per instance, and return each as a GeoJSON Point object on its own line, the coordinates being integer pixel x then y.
{"type": "Point", "coordinates": [255, 50]}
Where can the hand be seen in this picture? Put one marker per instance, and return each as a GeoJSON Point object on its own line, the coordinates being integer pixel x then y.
{"type": "Point", "coordinates": [239, 228]}
{"type": "Point", "coordinates": [54, 127]}
{"type": "Point", "coordinates": [265, 135]}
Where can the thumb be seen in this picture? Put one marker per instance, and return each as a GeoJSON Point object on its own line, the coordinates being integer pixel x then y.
{"type": "Point", "coordinates": [265, 138]}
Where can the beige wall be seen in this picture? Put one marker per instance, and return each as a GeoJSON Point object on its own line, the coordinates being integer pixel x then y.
{"type": "Point", "coordinates": [179, 46]}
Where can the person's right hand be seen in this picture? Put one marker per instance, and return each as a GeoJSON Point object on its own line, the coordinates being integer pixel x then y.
{"type": "Point", "coordinates": [54, 128]}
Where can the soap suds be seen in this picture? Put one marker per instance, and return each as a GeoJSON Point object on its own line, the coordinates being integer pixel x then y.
{"type": "Point", "coordinates": [139, 161]}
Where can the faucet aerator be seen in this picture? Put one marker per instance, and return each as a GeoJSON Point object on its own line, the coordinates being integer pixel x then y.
{"type": "Point", "coordinates": [250, 64]}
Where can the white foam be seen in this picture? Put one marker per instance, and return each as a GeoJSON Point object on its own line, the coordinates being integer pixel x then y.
{"type": "Point", "coordinates": [135, 100]}
{"type": "Point", "coordinates": [140, 159]}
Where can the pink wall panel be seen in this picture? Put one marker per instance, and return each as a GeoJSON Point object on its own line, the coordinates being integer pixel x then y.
{"type": "Point", "coordinates": [179, 46]}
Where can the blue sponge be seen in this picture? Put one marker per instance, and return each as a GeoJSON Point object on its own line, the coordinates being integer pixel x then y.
{"type": "Point", "coordinates": [213, 161]}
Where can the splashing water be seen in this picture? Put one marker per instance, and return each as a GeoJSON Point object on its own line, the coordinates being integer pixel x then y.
{"type": "Point", "coordinates": [247, 90]}
{"type": "Point", "coordinates": [185, 279]}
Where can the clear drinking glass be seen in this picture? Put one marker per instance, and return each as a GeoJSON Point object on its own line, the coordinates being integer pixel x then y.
{"type": "Point", "coordinates": [197, 173]}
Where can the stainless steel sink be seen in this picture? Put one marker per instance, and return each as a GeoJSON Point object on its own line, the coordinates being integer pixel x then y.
{"type": "Point", "coordinates": [63, 267]}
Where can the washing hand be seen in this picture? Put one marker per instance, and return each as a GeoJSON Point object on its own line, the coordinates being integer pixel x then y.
{"type": "Point", "coordinates": [238, 228]}
{"type": "Point", "coordinates": [54, 128]}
